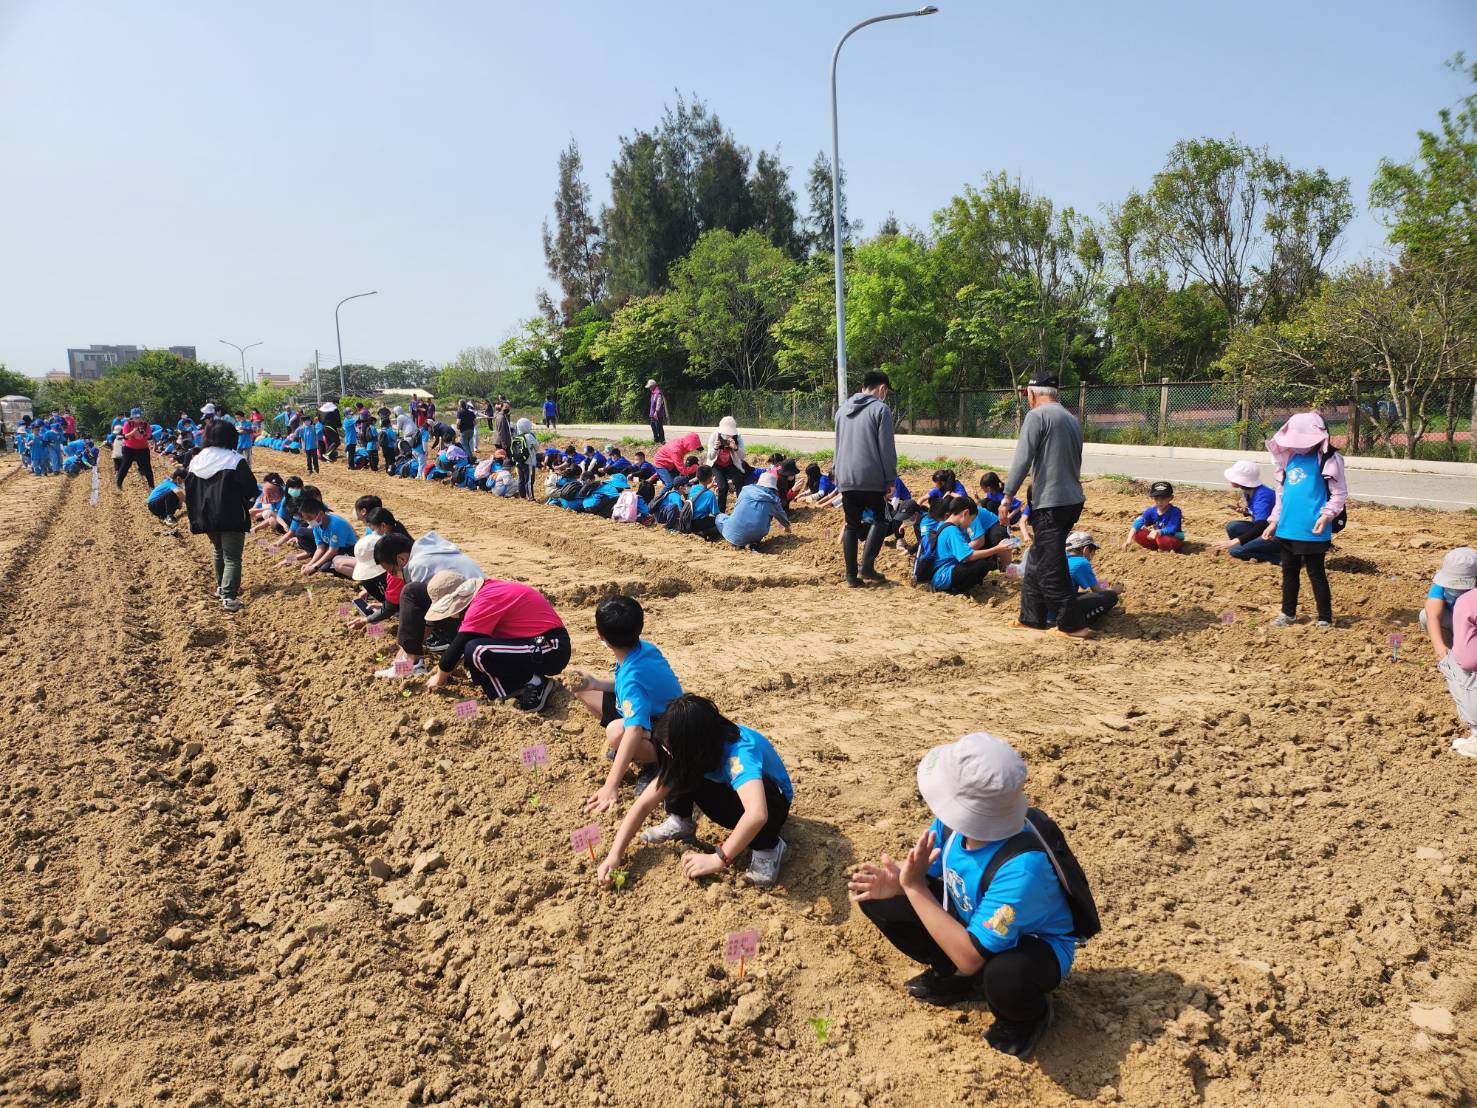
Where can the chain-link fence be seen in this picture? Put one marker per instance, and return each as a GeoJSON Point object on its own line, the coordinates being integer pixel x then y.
{"type": "Point", "coordinates": [1363, 418]}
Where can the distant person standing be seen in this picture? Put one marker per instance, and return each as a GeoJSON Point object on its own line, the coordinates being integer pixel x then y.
{"type": "Point", "coordinates": [135, 436]}
{"type": "Point", "coordinates": [502, 435]}
{"type": "Point", "coordinates": [864, 468]}
{"type": "Point", "coordinates": [219, 490]}
{"type": "Point", "coordinates": [656, 411]}
{"type": "Point", "coordinates": [1050, 450]}
{"type": "Point", "coordinates": [466, 426]}
{"type": "Point", "coordinates": [551, 414]}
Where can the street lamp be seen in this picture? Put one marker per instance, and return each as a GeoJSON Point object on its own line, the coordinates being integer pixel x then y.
{"type": "Point", "coordinates": [841, 391]}
{"type": "Point", "coordinates": [339, 335]}
{"type": "Point", "coordinates": [242, 351]}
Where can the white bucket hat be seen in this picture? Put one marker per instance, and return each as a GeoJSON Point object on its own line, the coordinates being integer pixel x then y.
{"type": "Point", "coordinates": [768, 480]}
{"type": "Point", "coordinates": [365, 567]}
{"type": "Point", "coordinates": [1077, 540]}
{"type": "Point", "coordinates": [1458, 569]}
{"type": "Point", "coordinates": [1245, 473]}
{"type": "Point", "coordinates": [977, 786]}
{"type": "Point", "coordinates": [728, 426]}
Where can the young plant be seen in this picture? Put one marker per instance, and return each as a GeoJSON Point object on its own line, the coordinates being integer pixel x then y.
{"type": "Point", "coordinates": [821, 1026]}
{"type": "Point", "coordinates": [618, 878]}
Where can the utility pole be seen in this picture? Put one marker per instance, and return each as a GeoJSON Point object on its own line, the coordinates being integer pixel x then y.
{"type": "Point", "coordinates": [318, 378]}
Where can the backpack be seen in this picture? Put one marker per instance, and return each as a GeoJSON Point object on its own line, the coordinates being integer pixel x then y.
{"type": "Point", "coordinates": [684, 518]}
{"type": "Point", "coordinates": [1041, 834]}
{"type": "Point", "coordinates": [519, 451]}
{"type": "Point", "coordinates": [625, 509]}
{"type": "Point", "coordinates": [923, 562]}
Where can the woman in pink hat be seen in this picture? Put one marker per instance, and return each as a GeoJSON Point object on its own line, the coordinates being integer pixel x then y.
{"type": "Point", "coordinates": [1311, 492]}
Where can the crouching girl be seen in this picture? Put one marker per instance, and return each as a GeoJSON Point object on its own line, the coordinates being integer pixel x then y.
{"type": "Point", "coordinates": [732, 773]}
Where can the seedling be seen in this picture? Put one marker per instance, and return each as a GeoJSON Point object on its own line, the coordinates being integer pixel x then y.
{"type": "Point", "coordinates": [740, 945]}
{"type": "Point", "coordinates": [533, 802]}
{"type": "Point", "coordinates": [585, 839]}
{"type": "Point", "coordinates": [618, 878]}
{"type": "Point", "coordinates": [821, 1026]}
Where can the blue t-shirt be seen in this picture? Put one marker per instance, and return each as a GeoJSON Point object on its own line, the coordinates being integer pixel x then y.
{"type": "Point", "coordinates": [900, 490]}
{"type": "Point", "coordinates": [337, 532]}
{"type": "Point", "coordinates": [594, 457]}
{"type": "Point", "coordinates": [1304, 494]}
{"type": "Point", "coordinates": [1080, 570]}
{"type": "Point", "coordinates": [1168, 522]}
{"type": "Point", "coordinates": [245, 436]}
{"type": "Point", "coordinates": [310, 435]}
{"type": "Point", "coordinates": [957, 490]}
{"type": "Point", "coordinates": [828, 484]}
{"type": "Point", "coordinates": [930, 527]}
{"type": "Point", "coordinates": [644, 686]}
{"type": "Point", "coordinates": [1025, 898]}
{"type": "Point", "coordinates": [549, 409]}
{"type": "Point", "coordinates": [750, 757]}
{"type": "Point", "coordinates": [161, 489]}
{"type": "Point", "coordinates": [1449, 596]}
{"type": "Point", "coordinates": [1017, 505]}
{"type": "Point", "coordinates": [704, 503]}
{"type": "Point", "coordinates": [984, 519]}
{"type": "Point", "coordinates": [1260, 501]}
{"type": "Point", "coordinates": [953, 548]}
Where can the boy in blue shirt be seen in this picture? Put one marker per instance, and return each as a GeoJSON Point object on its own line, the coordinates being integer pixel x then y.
{"type": "Point", "coordinates": [1244, 539]}
{"type": "Point", "coordinates": [732, 773]}
{"type": "Point", "coordinates": [333, 535]}
{"type": "Point", "coordinates": [1160, 526]}
{"type": "Point", "coordinates": [310, 435]}
{"type": "Point", "coordinates": [167, 496]}
{"type": "Point", "coordinates": [1093, 598]}
{"type": "Point", "coordinates": [1012, 937]}
{"type": "Point", "coordinates": [628, 705]}
{"type": "Point", "coordinates": [957, 566]}
{"type": "Point", "coordinates": [551, 414]}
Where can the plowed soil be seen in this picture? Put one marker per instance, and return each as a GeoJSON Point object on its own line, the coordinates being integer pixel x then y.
{"type": "Point", "coordinates": [194, 809]}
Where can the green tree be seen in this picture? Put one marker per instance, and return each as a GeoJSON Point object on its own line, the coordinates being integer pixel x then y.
{"type": "Point", "coordinates": [806, 334]}
{"type": "Point", "coordinates": [575, 250]}
{"type": "Point", "coordinates": [642, 343]}
{"type": "Point", "coordinates": [17, 384]}
{"type": "Point", "coordinates": [820, 232]}
{"type": "Point", "coordinates": [181, 385]}
{"type": "Point", "coordinates": [896, 315]}
{"type": "Point", "coordinates": [411, 373]}
{"type": "Point", "coordinates": [726, 296]}
{"type": "Point", "coordinates": [774, 205]}
{"type": "Point", "coordinates": [478, 372]}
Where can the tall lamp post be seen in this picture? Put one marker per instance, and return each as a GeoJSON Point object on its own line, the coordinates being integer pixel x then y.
{"type": "Point", "coordinates": [841, 390]}
{"type": "Point", "coordinates": [242, 351]}
{"type": "Point", "coordinates": [339, 335]}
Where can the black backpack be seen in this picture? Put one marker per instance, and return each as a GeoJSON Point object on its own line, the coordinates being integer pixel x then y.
{"type": "Point", "coordinates": [923, 563]}
{"type": "Point", "coordinates": [684, 518]}
{"type": "Point", "coordinates": [1042, 835]}
{"type": "Point", "coordinates": [520, 450]}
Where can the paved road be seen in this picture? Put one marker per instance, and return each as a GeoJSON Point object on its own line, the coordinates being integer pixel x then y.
{"type": "Point", "coordinates": [1443, 491]}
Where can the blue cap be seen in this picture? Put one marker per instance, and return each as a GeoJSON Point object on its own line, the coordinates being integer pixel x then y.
{"type": "Point", "coordinates": [136, 413]}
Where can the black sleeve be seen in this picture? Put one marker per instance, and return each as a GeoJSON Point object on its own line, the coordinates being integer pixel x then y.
{"type": "Point", "coordinates": [453, 655]}
{"type": "Point", "coordinates": [1255, 531]}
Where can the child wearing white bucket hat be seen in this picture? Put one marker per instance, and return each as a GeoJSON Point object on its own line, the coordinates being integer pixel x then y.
{"type": "Point", "coordinates": [1457, 575]}
{"type": "Point", "coordinates": [1243, 539]}
{"type": "Point", "coordinates": [990, 898]}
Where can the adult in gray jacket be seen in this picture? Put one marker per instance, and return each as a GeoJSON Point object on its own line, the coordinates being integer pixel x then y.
{"type": "Point", "coordinates": [1050, 449]}
{"type": "Point", "coordinates": [864, 468]}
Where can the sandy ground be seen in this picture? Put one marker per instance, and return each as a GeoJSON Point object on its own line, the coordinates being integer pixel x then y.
{"type": "Point", "coordinates": [236, 869]}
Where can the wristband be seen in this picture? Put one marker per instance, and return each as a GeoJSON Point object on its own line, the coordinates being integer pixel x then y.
{"type": "Point", "coordinates": [718, 850]}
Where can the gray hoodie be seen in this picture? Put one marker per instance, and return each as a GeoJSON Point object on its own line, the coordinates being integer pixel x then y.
{"type": "Point", "coordinates": [866, 456]}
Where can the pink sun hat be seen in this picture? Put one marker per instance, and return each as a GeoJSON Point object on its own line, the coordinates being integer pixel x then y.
{"type": "Point", "coordinates": [1303, 433]}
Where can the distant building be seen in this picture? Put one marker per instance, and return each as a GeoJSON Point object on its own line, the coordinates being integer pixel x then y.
{"type": "Point", "coordinates": [91, 363]}
{"type": "Point", "coordinates": [277, 380]}
{"type": "Point", "coordinates": [56, 376]}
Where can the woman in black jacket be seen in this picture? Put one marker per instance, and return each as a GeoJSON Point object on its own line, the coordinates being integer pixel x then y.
{"type": "Point", "coordinates": [219, 492]}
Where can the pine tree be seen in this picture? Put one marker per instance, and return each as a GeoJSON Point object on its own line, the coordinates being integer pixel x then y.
{"type": "Point", "coordinates": [774, 204]}
{"type": "Point", "coordinates": [820, 234]}
{"type": "Point", "coordinates": [575, 252]}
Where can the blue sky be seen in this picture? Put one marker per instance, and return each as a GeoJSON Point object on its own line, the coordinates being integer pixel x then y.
{"type": "Point", "coordinates": [182, 171]}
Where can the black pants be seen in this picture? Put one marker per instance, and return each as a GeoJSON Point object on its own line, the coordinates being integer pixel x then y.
{"type": "Point", "coordinates": [721, 804]}
{"type": "Point", "coordinates": [350, 452]}
{"type": "Point", "coordinates": [166, 505]}
{"type": "Point", "coordinates": [1095, 604]}
{"type": "Point", "coordinates": [389, 454]}
{"type": "Point", "coordinates": [1047, 586]}
{"type": "Point", "coordinates": [856, 504]}
{"type": "Point", "coordinates": [1253, 548]}
{"type": "Point", "coordinates": [729, 476]}
{"type": "Point", "coordinates": [657, 434]}
{"type": "Point", "coordinates": [967, 575]}
{"type": "Point", "coordinates": [137, 456]}
{"type": "Point", "coordinates": [415, 602]}
{"type": "Point", "coordinates": [1296, 555]}
{"type": "Point", "coordinates": [1015, 981]}
{"type": "Point", "coordinates": [500, 667]}
{"type": "Point", "coordinates": [311, 456]}
{"type": "Point", "coordinates": [525, 481]}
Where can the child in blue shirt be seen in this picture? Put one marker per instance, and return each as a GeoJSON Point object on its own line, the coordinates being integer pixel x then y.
{"type": "Point", "coordinates": [166, 498]}
{"type": "Point", "coordinates": [1244, 539]}
{"type": "Point", "coordinates": [333, 536]}
{"type": "Point", "coordinates": [946, 484]}
{"type": "Point", "coordinates": [732, 773]}
{"type": "Point", "coordinates": [1093, 598]}
{"type": "Point", "coordinates": [958, 566]}
{"type": "Point", "coordinates": [1159, 526]}
{"type": "Point", "coordinates": [992, 492]}
{"type": "Point", "coordinates": [551, 414]}
{"type": "Point", "coordinates": [1456, 577]}
{"type": "Point", "coordinates": [1012, 937]}
{"type": "Point", "coordinates": [629, 705]}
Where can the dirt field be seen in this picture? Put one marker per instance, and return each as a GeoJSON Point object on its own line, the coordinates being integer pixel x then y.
{"type": "Point", "coordinates": [194, 806]}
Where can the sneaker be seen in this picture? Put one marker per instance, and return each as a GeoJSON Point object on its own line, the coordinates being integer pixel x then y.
{"type": "Point", "coordinates": [1323, 623]}
{"type": "Point", "coordinates": [1020, 1040]}
{"type": "Point", "coordinates": [1284, 620]}
{"type": "Point", "coordinates": [1466, 746]}
{"type": "Point", "coordinates": [532, 698]}
{"type": "Point", "coordinates": [645, 777]}
{"type": "Point", "coordinates": [941, 989]}
{"type": "Point", "coordinates": [670, 830]}
{"type": "Point", "coordinates": [764, 866]}
{"type": "Point", "coordinates": [417, 670]}
{"type": "Point", "coordinates": [231, 604]}
{"type": "Point", "coordinates": [854, 583]}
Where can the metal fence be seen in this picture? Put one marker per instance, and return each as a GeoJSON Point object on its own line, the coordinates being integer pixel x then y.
{"type": "Point", "coordinates": [1363, 420]}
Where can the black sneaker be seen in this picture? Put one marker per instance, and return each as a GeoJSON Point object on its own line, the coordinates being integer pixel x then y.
{"type": "Point", "coordinates": [644, 778]}
{"type": "Point", "coordinates": [933, 987]}
{"type": "Point", "coordinates": [1020, 1040]}
{"type": "Point", "coordinates": [854, 583]}
{"type": "Point", "coordinates": [437, 644]}
{"type": "Point", "coordinates": [532, 698]}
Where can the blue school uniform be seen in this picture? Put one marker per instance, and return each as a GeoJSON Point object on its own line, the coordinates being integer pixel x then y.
{"type": "Point", "coordinates": [984, 519]}
{"type": "Point", "coordinates": [644, 686]}
{"type": "Point", "coordinates": [618, 465]}
{"type": "Point", "coordinates": [1260, 501]}
{"type": "Point", "coordinates": [1304, 496]}
{"type": "Point", "coordinates": [900, 490]}
{"type": "Point", "coordinates": [162, 489]}
{"type": "Point", "coordinates": [310, 435]}
{"type": "Point", "coordinates": [1080, 570]}
{"type": "Point", "coordinates": [953, 548]}
{"type": "Point", "coordinates": [704, 503]}
{"type": "Point", "coordinates": [1025, 898]}
{"type": "Point", "coordinates": [1168, 522]}
{"type": "Point", "coordinates": [957, 490]}
{"type": "Point", "coordinates": [827, 485]}
{"type": "Point", "coordinates": [549, 409]}
{"type": "Point", "coordinates": [337, 533]}
{"type": "Point", "coordinates": [751, 757]}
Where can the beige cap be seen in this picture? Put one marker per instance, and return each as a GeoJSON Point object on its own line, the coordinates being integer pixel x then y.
{"type": "Point", "coordinates": [977, 786]}
{"type": "Point", "coordinates": [450, 594]}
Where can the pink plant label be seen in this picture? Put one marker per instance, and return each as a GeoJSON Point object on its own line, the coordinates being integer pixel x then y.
{"type": "Point", "coordinates": [466, 709]}
{"type": "Point", "coordinates": [1012, 570]}
{"type": "Point", "coordinates": [585, 838]}
{"type": "Point", "coordinates": [403, 666]}
{"type": "Point", "coordinates": [344, 609]}
{"type": "Point", "coordinates": [532, 756]}
{"type": "Point", "coordinates": [1228, 616]}
{"type": "Point", "coordinates": [375, 630]}
{"type": "Point", "coordinates": [740, 944]}
{"type": "Point", "coordinates": [1396, 641]}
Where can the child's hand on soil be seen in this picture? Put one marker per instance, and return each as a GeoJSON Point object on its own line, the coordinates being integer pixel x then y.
{"type": "Point", "coordinates": [578, 681]}
{"type": "Point", "coordinates": [875, 882]}
{"type": "Point", "coordinates": [438, 680]}
{"type": "Point", "coordinates": [357, 623]}
{"type": "Point", "coordinates": [697, 865]}
{"type": "Point", "coordinates": [602, 800]}
{"type": "Point", "coordinates": [913, 873]}
{"type": "Point", "coordinates": [606, 868]}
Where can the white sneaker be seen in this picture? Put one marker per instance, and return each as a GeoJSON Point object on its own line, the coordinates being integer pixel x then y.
{"type": "Point", "coordinates": [231, 604]}
{"type": "Point", "coordinates": [1284, 620]}
{"type": "Point", "coordinates": [417, 670]}
{"type": "Point", "coordinates": [1466, 746]}
{"type": "Point", "coordinates": [672, 829]}
{"type": "Point", "coordinates": [764, 866]}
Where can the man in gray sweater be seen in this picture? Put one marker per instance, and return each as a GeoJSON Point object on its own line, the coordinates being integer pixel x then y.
{"type": "Point", "coordinates": [1050, 449]}
{"type": "Point", "coordinates": [864, 468]}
